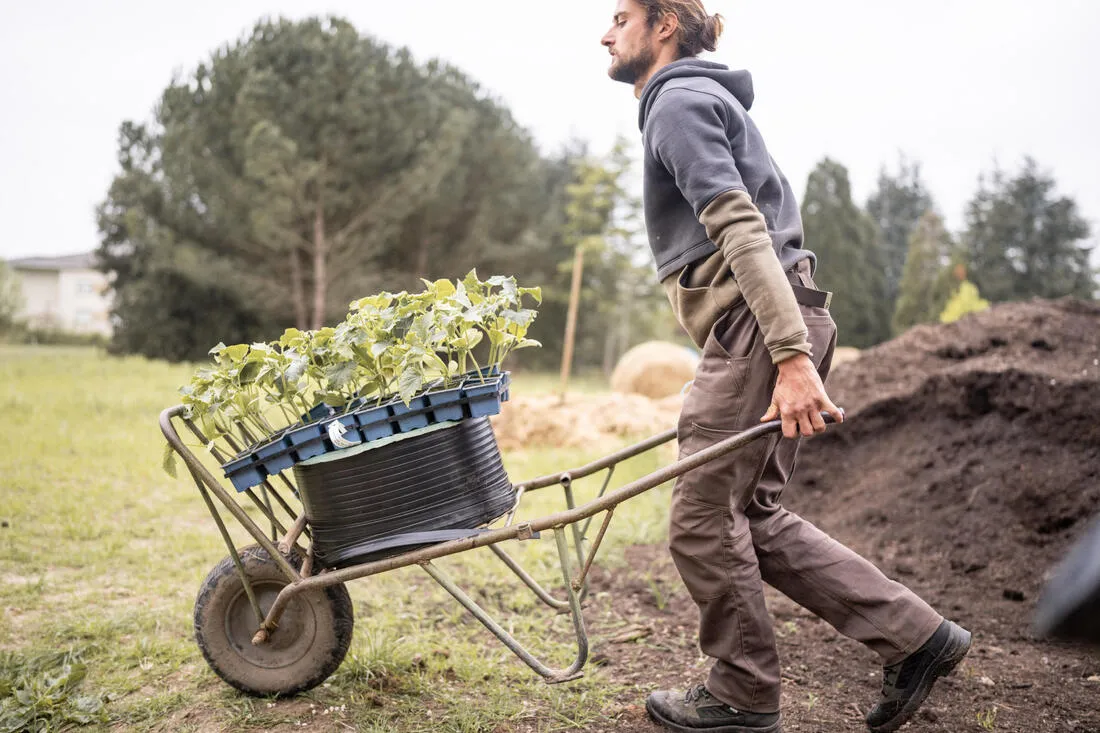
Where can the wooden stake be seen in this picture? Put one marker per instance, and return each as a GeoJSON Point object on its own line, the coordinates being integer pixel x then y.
{"type": "Point", "coordinates": [571, 320]}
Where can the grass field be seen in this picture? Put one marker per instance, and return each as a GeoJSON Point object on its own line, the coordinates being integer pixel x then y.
{"type": "Point", "coordinates": [102, 553]}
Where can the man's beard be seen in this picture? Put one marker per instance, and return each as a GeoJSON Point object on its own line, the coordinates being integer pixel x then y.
{"type": "Point", "coordinates": [629, 71]}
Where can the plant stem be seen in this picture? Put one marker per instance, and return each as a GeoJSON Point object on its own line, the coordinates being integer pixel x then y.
{"type": "Point", "coordinates": [477, 366]}
{"type": "Point", "coordinates": [279, 403]}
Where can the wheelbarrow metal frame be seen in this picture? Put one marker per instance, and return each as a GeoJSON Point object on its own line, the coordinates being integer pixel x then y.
{"type": "Point", "coordinates": [283, 539]}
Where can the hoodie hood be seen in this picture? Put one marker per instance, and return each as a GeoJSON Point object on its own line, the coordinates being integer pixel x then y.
{"type": "Point", "coordinates": [739, 83]}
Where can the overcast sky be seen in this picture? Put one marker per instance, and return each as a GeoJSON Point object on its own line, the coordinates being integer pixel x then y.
{"type": "Point", "coordinates": [958, 85]}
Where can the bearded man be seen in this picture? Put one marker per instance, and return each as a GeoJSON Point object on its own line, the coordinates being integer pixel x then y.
{"type": "Point", "coordinates": [725, 230]}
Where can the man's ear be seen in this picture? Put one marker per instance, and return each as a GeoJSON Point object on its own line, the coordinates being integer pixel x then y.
{"type": "Point", "coordinates": [667, 26]}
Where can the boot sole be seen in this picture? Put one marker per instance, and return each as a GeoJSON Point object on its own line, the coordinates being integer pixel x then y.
{"type": "Point", "coordinates": [943, 665]}
{"type": "Point", "coordinates": [777, 727]}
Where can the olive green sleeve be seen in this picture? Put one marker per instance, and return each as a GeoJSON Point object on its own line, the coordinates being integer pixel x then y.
{"type": "Point", "coordinates": [738, 228]}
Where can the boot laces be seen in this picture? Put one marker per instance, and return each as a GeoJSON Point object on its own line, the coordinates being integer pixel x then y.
{"type": "Point", "coordinates": [890, 676]}
{"type": "Point", "coordinates": [699, 692]}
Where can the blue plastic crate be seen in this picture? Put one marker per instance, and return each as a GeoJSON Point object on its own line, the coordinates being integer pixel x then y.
{"type": "Point", "coordinates": [310, 449]}
{"type": "Point", "coordinates": [245, 472]}
{"type": "Point", "coordinates": [410, 417]}
{"type": "Point", "coordinates": [319, 412]}
{"type": "Point", "coordinates": [483, 399]}
{"type": "Point", "coordinates": [275, 456]}
{"type": "Point", "coordinates": [305, 434]}
{"type": "Point", "coordinates": [446, 404]}
{"type": "Point", "coordinates": [375, 424]}
{"type": "Point", "coordinates": [480, 394]}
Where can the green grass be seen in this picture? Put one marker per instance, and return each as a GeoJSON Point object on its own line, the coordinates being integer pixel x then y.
{"type": "Point", "coordinates": [102, 553]}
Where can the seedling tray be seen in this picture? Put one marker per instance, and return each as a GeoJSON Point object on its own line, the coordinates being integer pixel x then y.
{"type": "Point", "coordinates": [478, 395]}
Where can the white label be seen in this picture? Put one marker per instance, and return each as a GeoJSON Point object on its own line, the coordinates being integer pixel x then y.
{"type": "Point", "coordinates": [336, 431]}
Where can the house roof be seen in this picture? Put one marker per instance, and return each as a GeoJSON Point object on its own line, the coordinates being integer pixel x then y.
{"type": "Point", "coordinates": [83, 261]}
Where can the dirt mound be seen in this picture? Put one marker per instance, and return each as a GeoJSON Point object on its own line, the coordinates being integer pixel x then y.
{"type": "Point", "coordinates": [602, 420]}
{"type": "Point", "coordinates": [972, 457]}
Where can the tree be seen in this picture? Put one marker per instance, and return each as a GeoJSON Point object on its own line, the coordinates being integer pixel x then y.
{"type": "Point", "coordinates": [11, 297]}
{"type": "Point", "coordinates": [304, 166]}
{"type": "Point", "coordinates": [843, 238]}
{"type": "Point", "coordinates": [896, 206]}
{"type": "Point", "coordinates": [625, 301]}
{"type": "Point", "coordinates": [1022, 240]}
{"type": "Point", "coordinates": [592, 198]}
{"type": "Point", "coordinates": [927, 280]}
{"type": "Point", "coordinates": [621, 300]}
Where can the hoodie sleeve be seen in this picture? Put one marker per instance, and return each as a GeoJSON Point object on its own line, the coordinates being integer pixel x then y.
{"type": "Point", "coordinates": [737, 227]}
{"type": "Point", "coordinates": [690, 134]}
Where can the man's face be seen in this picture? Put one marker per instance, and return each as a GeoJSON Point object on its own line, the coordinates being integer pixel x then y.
{"type": "Point", "coordinates": [632, 43]}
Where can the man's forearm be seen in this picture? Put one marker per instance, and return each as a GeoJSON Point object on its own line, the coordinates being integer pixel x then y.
{"type": "Point", "coordinates": [738, 228]}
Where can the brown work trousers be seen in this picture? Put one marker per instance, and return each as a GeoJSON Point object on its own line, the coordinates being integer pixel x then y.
{"type": "Point", "coordinates": [729, 533]}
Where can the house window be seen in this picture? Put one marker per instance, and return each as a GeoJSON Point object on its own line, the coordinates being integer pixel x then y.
{"type": "Point", "coordinates": [85, 287]}
{"type": "Point", "coordinates": [82, 317]}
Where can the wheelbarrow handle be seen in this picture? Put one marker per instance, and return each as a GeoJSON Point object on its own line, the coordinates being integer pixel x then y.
{"type": "Point", "coordinates": [777, 425]}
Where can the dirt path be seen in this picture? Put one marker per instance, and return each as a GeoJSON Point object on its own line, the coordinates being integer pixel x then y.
{"type": "Point", "coordinates": [830, 681]}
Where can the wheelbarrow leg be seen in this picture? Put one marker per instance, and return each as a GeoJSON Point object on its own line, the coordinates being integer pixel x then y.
{"type": "Point", "coordinates": [580, 542]}
{"type": "Point", "coordinates": [552, 676]}
{"type": "Point", "coordinates": [249, 592]}
{"type": "Point", "coordinates": [530, 582]}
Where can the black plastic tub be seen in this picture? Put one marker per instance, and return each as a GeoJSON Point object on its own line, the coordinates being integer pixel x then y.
{"type": "Point", "coordinates": [388, 499]}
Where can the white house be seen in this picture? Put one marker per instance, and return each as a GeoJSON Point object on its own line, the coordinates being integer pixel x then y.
{"type": "Point", "coordinates": [64, 293]}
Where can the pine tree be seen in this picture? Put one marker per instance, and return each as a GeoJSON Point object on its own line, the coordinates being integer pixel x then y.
{"type": "Point", "coordinates": [899, 201]}
{"type": "Point", "coordinates": [927, 281]}
{"type": "Point", "coordinates": [850, 259]}
{"type": "Point", "coordinates": [301, 167]}
{"type": "Point", "coordinates": [1022, 240]}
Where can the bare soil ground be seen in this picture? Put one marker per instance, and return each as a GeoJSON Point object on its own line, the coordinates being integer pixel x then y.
{"type": "Point", "coordinates": [970, 464]}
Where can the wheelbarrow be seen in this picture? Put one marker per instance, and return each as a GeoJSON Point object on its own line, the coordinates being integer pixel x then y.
{"type": "Point", "coordinates": [271, 619]}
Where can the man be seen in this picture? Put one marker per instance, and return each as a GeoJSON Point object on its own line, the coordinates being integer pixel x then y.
{"type": "Point", "coordinates": [726, 233]}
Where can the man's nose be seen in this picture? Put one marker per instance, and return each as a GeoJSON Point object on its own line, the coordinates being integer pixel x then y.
{"type": "Point", "coordinates": [607, 40]}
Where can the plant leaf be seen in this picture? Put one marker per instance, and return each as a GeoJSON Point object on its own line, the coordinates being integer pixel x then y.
{"type": "Point", "coordinates": [249, 372]}
{"type": "Point", "coordinates": [237, 352]}
{"type": "Point", "coordinates": [409, 384]}
{"type": "Point", "coordinates": [339, 375]}
{"type": "Point", "coordinates": [168, 461]}
{"type": "Point", "coordinates": [535, 293]}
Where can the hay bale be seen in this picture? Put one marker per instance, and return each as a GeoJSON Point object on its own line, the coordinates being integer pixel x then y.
{"type": "Point", "coordinates": [654, 369]}
{"type": "Point", "coordinates": [845, 355]}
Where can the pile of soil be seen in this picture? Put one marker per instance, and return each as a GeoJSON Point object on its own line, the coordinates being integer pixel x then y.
{"type": "Point", "coordinates": [973, 449]}
{"type": "Point", "coordinates": [969, 463]}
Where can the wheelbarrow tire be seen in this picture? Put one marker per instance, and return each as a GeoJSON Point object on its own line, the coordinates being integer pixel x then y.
{"type": "Point", "coordinates": [309, 644]}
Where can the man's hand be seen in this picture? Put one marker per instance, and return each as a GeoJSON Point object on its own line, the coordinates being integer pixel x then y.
{"type": "Point", "coordinates": [799, 399]}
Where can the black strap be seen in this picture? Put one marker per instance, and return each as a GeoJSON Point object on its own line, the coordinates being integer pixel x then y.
{"type": "Point", "coordinates": [812, 298]}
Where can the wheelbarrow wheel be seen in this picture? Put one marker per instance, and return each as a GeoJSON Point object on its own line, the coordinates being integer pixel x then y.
{"type": "Point", "coordinates": [309, 644]}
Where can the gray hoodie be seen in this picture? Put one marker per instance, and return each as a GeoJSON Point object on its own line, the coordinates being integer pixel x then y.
{"type": "Point", "coordinates": [699, 142]}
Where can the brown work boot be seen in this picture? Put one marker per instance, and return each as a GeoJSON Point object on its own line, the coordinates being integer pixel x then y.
{"type": "Point", "coordinates": [907, 683]}
{"type": "Point", "coordinates": [698, 710]}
